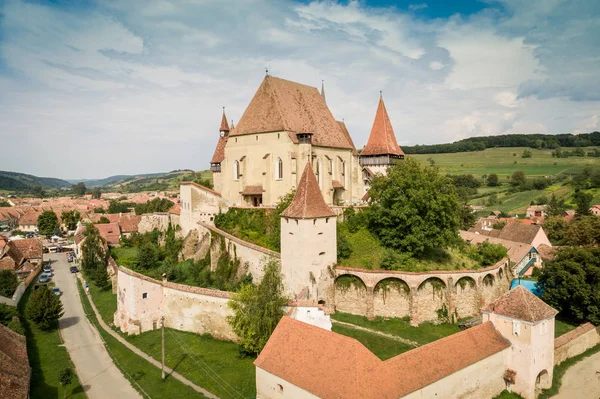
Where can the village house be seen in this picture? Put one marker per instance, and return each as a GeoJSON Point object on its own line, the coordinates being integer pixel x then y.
{"type": "Point", "coordinates": [20, 256]}
{"type": "Point", "coordinates": [15, 373]}
{"type": "Point", "coordinates": [512, 231]}
{"type": "Point", "coordinates": [513, 348]}
{"type": "Point", "coordinates": [536, 212]}
{"type": "Point", "coordinates": [28, 222]}
{"type": "Point", "coordinates": [595, 209]}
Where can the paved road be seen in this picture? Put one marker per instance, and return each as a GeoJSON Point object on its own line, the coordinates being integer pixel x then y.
{"type": "Point", "coordinates": [581, 380]}
{"type": "Point", "coordinates": [97, 373]}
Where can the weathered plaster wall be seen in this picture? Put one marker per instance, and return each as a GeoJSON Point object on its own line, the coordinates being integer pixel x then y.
{"type": "Point", "coordinates": [198, 204]}
{"type": "Point", "coordinates": [575, 342]}
{"type": "Point", "coordinates": [269, 386]}
{"type": "Point", "coordinates": [391, 298]}
{"type": "Point", "coordinates": [428, 292]}
{"type": "Point", "coordinates": [151, 221]}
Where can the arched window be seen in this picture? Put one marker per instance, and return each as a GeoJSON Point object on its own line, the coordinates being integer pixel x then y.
{"type": "Point", "coordinates": [236, 170]}
{"type": "Point", "coordinates": [319, 174]}
{"type": "Point", "coordinates": [278, 169]}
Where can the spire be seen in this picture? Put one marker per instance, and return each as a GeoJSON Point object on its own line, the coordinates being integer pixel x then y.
{"type": "Point", "coordinates": [224, 124]}
{"type": "Point", "coordinates": [323, 91]}
{"type": "Point", "coordinates": [308, 202]}
{"type": "Point", "coordinates": [382, 140]}
{"type": "Point", "coordinates": [231, 127]}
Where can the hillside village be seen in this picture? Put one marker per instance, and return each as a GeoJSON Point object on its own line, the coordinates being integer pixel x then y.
{"type": "Point", "coordinates": [294, 201]}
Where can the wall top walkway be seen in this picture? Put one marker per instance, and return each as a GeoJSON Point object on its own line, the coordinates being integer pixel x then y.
{"type": "Point", "coordinates": [571, 335]}
{"type": "Point", "coordinates": [500, 263]}
{"type": "Point", "coordinates": [241, 242]}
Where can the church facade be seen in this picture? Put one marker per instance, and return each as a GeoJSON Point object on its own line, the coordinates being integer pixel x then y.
{"type": "Point", "coordinates": [285, 126]}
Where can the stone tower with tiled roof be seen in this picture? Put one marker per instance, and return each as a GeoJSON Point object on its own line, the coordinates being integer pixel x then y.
{"type": "Point", "coordinates": [382, 149]}
{"type": "Point", "coordinates": [528, 323]}
{"type": "Point", "coordinates": [219, 154]}
{"type": "Point", "coordinates": [308, 241]}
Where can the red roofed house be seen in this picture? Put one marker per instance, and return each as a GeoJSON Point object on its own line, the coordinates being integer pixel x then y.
{"type": "Point", "coordinates": [595, 209]}
{"type": "Point", "coordinates": [21, 256]}
{"type": "Point", "coordinates": [382, 149]}
{"type": "Point", "coordinates": [304, 361]}
{"type": "Point", "coordinates": [110, 232]}
{"type": "Point", "coordinates": [28, 222]}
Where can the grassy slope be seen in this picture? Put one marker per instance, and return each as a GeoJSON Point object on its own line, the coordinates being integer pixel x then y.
{"type": "Point", "coordinates": [134, 368]}
{"type": "Point", "coordinates": [384, 348]}
{"type": "Point", "coordinates": [562, 327]}
{"type": "Point", "coordinates": [47, 357]}
{"type": "Point", "coordinates": [502, 162]}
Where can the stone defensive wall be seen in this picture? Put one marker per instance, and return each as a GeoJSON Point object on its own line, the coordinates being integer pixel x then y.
{"type": "Point", "coordinates": [426, 296]}
{"type": "Point", "coordinates": [575, 342]}
{"type": "Point", "coordinates": [151, 221]}
{"type": "Point", "coordinates": [207, 238]}
{"type": "Point", "coordinates": [142, 302]}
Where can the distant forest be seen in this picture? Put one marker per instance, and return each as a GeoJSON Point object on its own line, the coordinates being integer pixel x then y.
{"type": "Point", "coordinates": [539, 141]}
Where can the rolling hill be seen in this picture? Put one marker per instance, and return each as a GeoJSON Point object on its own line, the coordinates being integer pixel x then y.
{"type": "Point", "coordinates": [13, 181]}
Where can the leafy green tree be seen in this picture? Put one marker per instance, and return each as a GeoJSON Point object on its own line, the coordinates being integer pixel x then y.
{"type": "Point", "coordinates": [8, 283]}
{"type": "Point", "coordinates": [70, 219]}
{"type": "Point", "coordinates": [517, 178]}
{"type": "Point", "coordinates": [156, 205]}
{"type": "Point", "coordinates": [414, 208]}
{"type": "Point", "coordinates": [556, 228]}
{"type": "Point", "coordinates": [583, 231]}
{"type": "Point", "coordinates": [16, 325]}
{"type": "Point", "coordinates": [38, 191]}
{"type": "Point", "coordinates": [4, 204]}
{"type": "Point", "coordinates": [466, 215]}
{"type": "Point", "coordinates": [103, 220]}
{"type": "Point", "coordinates": [492, 180]}
{"type": "Point", "coordinates": [485, 253]}
{"type": "Point", "coordinates": [65, 378]}
{"type": "Point", "coordinates": [96, 193]}
{"type": "Point", "coordinates": [555, 207]}
{"type": "Point", "coordinates": [47, 222]}
{"type": "Point", "coordinates": [79, 188]}
{"type": "Point", "coordinates": [275, 231]}
{"type": "Point", "coordinates": [119, 207]}
{"type": "Point", "coordinates": [526, 154]}
{"type": "Point", "coordinates": [146, 257]}
{"type": "Point", "coordinates": [354, 220]}
{"type": "Point", "coordinates": [94, 258]}
{"type": "Point", "coordinates": [343, 246]}
{"type": "Point", "coordinates": [44, 308]}
{"type": "Point", "coordinates": [583, 201]}
{"type": "Point", "coordinates": [571, 283]}
{"type": "Point", "coordinates": [99, 210]}
{"type": "Point", "coordinates": [492, 199]}
{"type": "Point", "coordinates": [258, 309]}
{"type": "Point", "coordinates": [7, 313]}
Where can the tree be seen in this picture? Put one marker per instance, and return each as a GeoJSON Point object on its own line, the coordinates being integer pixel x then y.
{"type": "Point", "coordinates": [517, 178]}
{"type": "Point", "coordinates": [555, 207]}
{"type": "Point", "coordinates": [571, 283]}
{"type": "Point", "coordinates": [119, 207]}
{"type": "Point", "coordinates": [555, 227]}
{"type": "Point", "coordinates": [583, 201]}
{"type": "Point", "coordinates": [584, 231]}
{"type": "Point", "coordinates": [7, 313]}
{"type": "Point", "coordinates": [258, 309]}
{"type": "Point", "coordinates": [94, 259]}
{"type": "Point", "coordinates": [4, 203]}
{"type": "Point", "coordinates": [526, 154]}
{"type": "Point", "coordinates": [70, 219]}
{"type": "Point", "coordinates": [414, 208]}
{"type": "Point", "coordinates": [156, 205]}
{"type": "Point", "coordinates": [65, 378]}
{"type": "Point", "coordinates": [146, 257]}
{"type": "Point", "coordinates": [103, 220]}
{"type": "Point", "coordinates": [492, 180]}
{"type": "Point", "coordinates": [47, 222]}
{"type": "Point", "coordinates": [466, 215]}
{"type": "Point", "coordinates": [8, 283]}
{"type": "Point", "coordinates": [44, 308]}
{"type": "Point", "coordinates": [79, 188]}
{"type": "Point", "coordinates": [96, 193]}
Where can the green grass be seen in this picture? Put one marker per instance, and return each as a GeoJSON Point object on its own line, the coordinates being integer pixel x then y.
{"type": "Point", "coordinates": [124, 256]}
{"type": "Point", "coordinates": [560, 370]}
{"type": "Point", "coordinates": [508, 395]}
{"type": "Point", "coordinates": [47, 358]}
{"type": "Point", "coordinates": [384, 348]}
{"type": "Point", "coordinates": [135, 368]}
{"type": "Point", "coordinates": [424, 334]}
{"type": "Point", "coordinates": [562, 327]}
{"type": "Point", "coordinates": [105, 301]}
{"type": "Point", "coordinates": [502, 162]}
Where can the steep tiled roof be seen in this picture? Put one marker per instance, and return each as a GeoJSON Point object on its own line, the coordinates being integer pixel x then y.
{"type": "Point", "coordinates": [15, 372]}
{"type": "Point", "coordinates": [348, 137]}
{"type": "Point", "coordinates": [337, 184]}
{"type": "Point", "coordinates": [382, 140]}
{"type": "Point", "coordinates": [252, 190]}
{"type": "Point", "coordinates": [521, 304]}
{"type": "Point", "coordinates": [308, 201]}
{"type": "Point", "coordinates": [516, 250]}
{"type": "Point", "coordinates": [30, 218]}
{"type": "Point", "coordinates": [512, 231]}
{"type": "Point", "coordinates": [79, 234]}
{"type": "Point", "coordinates": [282, 105]}
{"type": "Point", "coordinates": [30, 248]}
{"type": "Point", "coordinates": [7, 263]}
{"type": "Point", "coordinates": [110, 232]}
{"type": "Point", "coordinates": [330, 365]}
{"type": "Point", "coordinates": [175, 209]}
{"type": "Point", "coordinates": [224, 125]}
{"type": "Point", "coordinates": [128, 222]}
{"type": "Point", "coordinates": [219, 154]}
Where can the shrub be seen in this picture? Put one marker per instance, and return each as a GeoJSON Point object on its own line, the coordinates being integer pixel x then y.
{"type": "Point", "coordinates": [8, 283]}
{"type": "Point", "coordinates": [44, 308]}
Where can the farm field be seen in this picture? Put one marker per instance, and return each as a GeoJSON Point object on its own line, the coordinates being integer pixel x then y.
{"type": "Point", "coordinates": [503, 162]}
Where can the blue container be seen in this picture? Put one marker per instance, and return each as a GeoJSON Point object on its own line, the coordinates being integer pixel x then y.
{"type": "Point", "coordinates": [531, 286]}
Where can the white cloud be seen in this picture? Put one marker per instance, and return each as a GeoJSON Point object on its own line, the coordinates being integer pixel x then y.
{"type": "Point", "coordinates": [137, 86]}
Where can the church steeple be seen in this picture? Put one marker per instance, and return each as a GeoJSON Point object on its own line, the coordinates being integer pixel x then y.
{"type": "Point", "coordinates": [382, 140]}
{"type": "Point", "coordinates": [224, 125]}
{"type": "Point", "coordinates": [323, 91]}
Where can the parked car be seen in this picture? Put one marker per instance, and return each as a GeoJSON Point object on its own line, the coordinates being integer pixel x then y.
{"type": "Point", "coordinates": [47, 274]}
{"type": "Point", "coordinates": [47, 268]}
{"type": "Point", "coordinates": [56, 291]}
{"type": "Point", "coordinates": [43, 278]}
{"type": "Point", "coordinates": [74, 269]}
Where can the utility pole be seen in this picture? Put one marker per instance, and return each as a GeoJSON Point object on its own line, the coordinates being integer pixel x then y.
{"type": "Point", "coordinates": [162, 369]}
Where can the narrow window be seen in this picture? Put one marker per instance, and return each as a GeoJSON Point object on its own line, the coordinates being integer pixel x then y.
{"type": "Point", "coordinates": [321, 253]}
{"type": "Point", "coordinates": [278, 169]}
{"type": "Point", "coordinates": [256, 138]}
{"type": "Point", "coordinates": [516, 328]}
{"type": "Point", "coordinates": [236, 170]}
{"type": "Point", "coordinates": [277, 135]}
{"type": "Point", "coordinates": [144, 295]}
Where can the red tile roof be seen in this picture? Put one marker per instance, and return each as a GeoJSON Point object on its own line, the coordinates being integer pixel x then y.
{"type": "Point", "coordinates": [521, 304]}
{"type": "Point", "coordinates": [308, 201]}
{"type": "Point", "coordinates": [337, 184]}
{"type": "Point", "coordinates": [15, 372]}
{"type": "Point", "coordinates": [283, 105]}
{"type": "Point", "coordinates": [224, 125]}
{"type": "Point", "coordinates": [330, 365]}
{"type": "Point", "coordinates": [252, 190]}
{"type": "Point", "coordinates": [30, 218]}
{"type": "Point", "coordinates": [110, 232]}
{"type": "Point", "coordinates": [191, 183]}
{"type": "Point", "coordinates": [7, 263]}
{"type": "Point", "coordinates": [30, 248]}
{"type": "Point", "coordinates": [348, 137]}
{"type": "Point", "coordinates": [175, 209]}
{"type": "Point", "coordinates": [219, 154]}
{"type": "Point", "coordinates": [514, 230]}
{"type": "Point", "coordinates": [382, 140]}
{"type": "Point", "coordinates": [128, 222]}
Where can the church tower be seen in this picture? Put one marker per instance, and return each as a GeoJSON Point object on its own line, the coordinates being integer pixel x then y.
{"type": "Point", "coordinates": [219, 154]}
{"type": "Point", "coordinates": [382, 150]}
{"type": "Point", "coordinates": [308, 241]}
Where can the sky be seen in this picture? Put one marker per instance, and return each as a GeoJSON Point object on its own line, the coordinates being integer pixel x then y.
{"type": "Point", "coordinates": [90, 89]}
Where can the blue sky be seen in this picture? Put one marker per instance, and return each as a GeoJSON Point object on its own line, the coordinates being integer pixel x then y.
{"type": "Point", "coordinates": [100, 87]}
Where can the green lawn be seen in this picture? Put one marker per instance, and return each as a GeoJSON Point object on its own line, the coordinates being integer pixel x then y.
{"type": "Point", "coordinates": [502, 162]}
{"type": "Point", "coordinates": [508, 395]}
{"type": "Point", "coordinates": [47, 357]}
{"type": "Point", "coordinates": [105, 301]}
{"type": "Point", "coordinates": [384, 348]}
{"type": "Point", "coordinates": [145, 375]}
{"type": "Point", "coordinates": [562, 327]}
{"type": "Point", "coordinates": [125, 257]}
{"type": "Point", "coordinates": [424, 334]}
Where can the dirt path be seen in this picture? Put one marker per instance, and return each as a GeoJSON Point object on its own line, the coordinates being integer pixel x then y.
{"type": "Point", "coordinates": [390, 336]}
{"type": "Point", "coordinates": [581, 380]}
